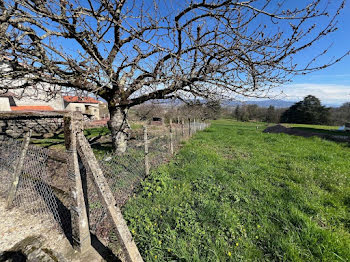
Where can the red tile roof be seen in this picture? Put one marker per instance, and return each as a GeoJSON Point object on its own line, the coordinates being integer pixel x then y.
{"type": "Point", "coordinates": [31, 108]}
{"type": "Point", "coordinates": [79, 99]}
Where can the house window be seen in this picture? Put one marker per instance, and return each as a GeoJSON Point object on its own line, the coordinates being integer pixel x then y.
{"type": "Point", "coordinates": [77, 108]}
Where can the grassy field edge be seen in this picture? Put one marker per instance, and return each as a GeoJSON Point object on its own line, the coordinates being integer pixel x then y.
{"type": "Point", "coordinates": [234, 193]}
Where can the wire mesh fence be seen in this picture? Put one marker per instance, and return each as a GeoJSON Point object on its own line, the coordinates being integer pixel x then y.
{"type": "Point", "coordinates": [33, 193]}
{"type": "Point", "coordinates": [44, 186]}
{"type": "Point", "coordinates": [125, 171]}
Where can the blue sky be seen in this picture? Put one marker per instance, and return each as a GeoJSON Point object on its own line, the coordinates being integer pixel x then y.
{"type": "Point", "coordinates": [331, 85]}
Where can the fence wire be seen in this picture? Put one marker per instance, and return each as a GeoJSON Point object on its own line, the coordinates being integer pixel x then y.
{"type": "Point", "coordinates": [125, 171]}
{"type": "Point", "coordinates": [45, 190]}
{"type": "Point", "coordinates": [34, 193]}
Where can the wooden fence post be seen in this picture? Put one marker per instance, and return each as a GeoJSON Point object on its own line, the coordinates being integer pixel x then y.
{"type": "Point", "coordinates": [171, 136]}
{"type": "Point", "coordinates": [73, 125]}
{"type": "Point", "coordinates": [145, 139]}
{"type": "Point", "coordinates": [18, 169]}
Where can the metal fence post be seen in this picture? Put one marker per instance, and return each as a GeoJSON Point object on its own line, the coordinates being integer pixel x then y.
{"type": "Point", "coordinates": [18, 169]}
{"type": "Point", "coordinates": [73, 125]}
{"type": "Point", "coordinates": [171, 136]}
{"type": "Point", "coordinates": [145, 140]}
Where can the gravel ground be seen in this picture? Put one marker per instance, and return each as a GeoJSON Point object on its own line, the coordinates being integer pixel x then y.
{"type": "Point", "coordinates": [16, 226]}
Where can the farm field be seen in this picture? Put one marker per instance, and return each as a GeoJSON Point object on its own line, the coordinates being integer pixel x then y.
{"type": "Point", "coordinates": [234, 193]}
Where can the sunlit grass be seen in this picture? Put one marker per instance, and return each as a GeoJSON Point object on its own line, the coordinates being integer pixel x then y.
{"type": "Point", "coordinates": [234, 193]}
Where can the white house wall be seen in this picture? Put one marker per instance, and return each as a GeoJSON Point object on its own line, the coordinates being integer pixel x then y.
{"type": "Point", "coordinates": [76, 107]}
{"type": "Point", "coordinates": [82, 108]}
{"type": "Point", "coordinates": [42, 95]}
{"type": "Point", "coordinates": [4, 104]}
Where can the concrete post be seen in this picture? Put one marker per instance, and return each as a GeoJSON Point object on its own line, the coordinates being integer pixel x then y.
{"type": "Point", "coordinates": [124, 236]}
{"type": "Point", "coordinates": [145, 141]}
{"type": "Point", "coordinates": [18, 169]}
{"type": "Point", "coordinates": [171, 136]}
{"type": "Point", "coordinates": [194, 125]}
{"type": "Point", "coordinates": [183, 127]}
{"type": "Point", "coordinates": [73, 125]}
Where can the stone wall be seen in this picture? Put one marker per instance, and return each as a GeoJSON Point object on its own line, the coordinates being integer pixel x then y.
{"type": "Point", "coordinates": [15, 128]}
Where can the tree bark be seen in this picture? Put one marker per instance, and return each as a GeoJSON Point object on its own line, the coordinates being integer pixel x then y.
{"type": "Point", "coordinates": [119, 126]}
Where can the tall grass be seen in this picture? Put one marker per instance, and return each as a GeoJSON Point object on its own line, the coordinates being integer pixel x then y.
{"type": "Point", "coordinates": [234, 193]}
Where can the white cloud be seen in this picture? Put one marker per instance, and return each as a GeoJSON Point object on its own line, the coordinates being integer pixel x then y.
{"type": "Point", "coordinates": [327, 93]}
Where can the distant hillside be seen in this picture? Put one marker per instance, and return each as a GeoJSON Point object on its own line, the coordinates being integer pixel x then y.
{"type": "Point", "coordinates": [262, 103]}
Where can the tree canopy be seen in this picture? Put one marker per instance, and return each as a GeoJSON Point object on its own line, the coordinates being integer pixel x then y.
{"type": "Point", "coordinates": [307, 111]}
{"type": "Point", "coordinates": [128, 52]}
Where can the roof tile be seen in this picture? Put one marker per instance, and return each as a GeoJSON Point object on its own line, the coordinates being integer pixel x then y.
{"type": "Point", "coordinates": [31, 108]}
{"type": "Point", "coordinates": [80, 99]}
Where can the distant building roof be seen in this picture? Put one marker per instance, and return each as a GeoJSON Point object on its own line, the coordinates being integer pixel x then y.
{"type": "Point", "coordinates": [32, 108]}
{"type": "Point", "coordinates": [79, 99]}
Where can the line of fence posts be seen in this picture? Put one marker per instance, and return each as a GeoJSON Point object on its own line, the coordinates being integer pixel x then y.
{"type": "Point", "coordinates": [174, 132]}
{"type": "Point", "coordinates": [79, 151]}
{"type": "Point", "coordinates": [77, 144]}
{"type": "Point", "coordinates": [79, 154]}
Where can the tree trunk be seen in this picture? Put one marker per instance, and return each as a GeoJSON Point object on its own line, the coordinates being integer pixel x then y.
{"type": "Point", "coordinates": [119, 126]}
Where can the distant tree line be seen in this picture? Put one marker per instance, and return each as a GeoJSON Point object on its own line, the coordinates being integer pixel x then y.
{"type": "Point", "coordinates": [256, 113]}
{"type": "Point", "coordinates": [307, 111]}
{"type": "Point", "coordinates": [340, 115]}
{"type": "Point", "coordinates": [196, 109]}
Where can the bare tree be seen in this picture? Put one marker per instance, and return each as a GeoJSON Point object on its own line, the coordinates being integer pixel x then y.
{"type": "Point", "coordinates": [129, 51]}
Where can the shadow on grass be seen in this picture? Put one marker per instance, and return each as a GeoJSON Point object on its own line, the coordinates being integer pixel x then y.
{"type": "Point", "coordinates": [322, 131]}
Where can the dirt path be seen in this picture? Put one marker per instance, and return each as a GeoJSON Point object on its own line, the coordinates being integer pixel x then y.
{"type": "Point", "coordinates": [33, 237]}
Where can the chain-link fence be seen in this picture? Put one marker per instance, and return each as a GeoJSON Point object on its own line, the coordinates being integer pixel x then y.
{"type": "Point", "coordinates": [124, 172]}
{"type": "Point", "coordinates": [33, 192]}
{"type": "Point", "coordinates": [44, 184]}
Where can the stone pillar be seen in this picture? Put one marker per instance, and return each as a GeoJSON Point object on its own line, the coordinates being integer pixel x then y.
{"type": "Point", "coordinates": [73, 125]}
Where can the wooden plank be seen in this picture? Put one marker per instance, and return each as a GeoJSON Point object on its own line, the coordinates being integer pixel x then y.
{"type": "Point", "coordinates": [123, 234]}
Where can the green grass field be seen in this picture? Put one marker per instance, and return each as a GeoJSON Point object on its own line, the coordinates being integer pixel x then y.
{"type": "Point", "coordinates": [234, 193]}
